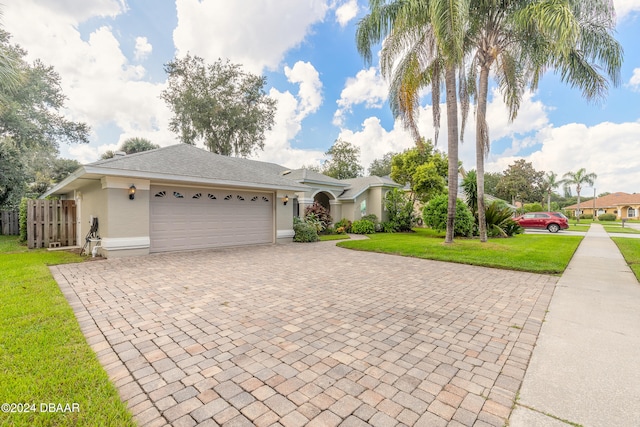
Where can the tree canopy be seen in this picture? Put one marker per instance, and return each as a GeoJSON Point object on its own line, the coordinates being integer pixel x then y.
{"type": "Point", "coordinates": [344, 161]}
{"type": "Point", "coordinates": [32, 126]}
{"type": "Point", "coordinates": [382, 166]}
{"type": "Point", "coordinates": [521, 181]}
{"type": "Point", "coordinates": [13, 177]}
{"type": "Point", "coordinates": [219, 105]}
{"type": "Point", "coordinates": [31, 108]}
{"type": "Point", "coordinates": [423, 169]}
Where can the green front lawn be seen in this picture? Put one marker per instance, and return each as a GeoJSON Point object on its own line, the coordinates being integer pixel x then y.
{"type": "Point", "coordinates": [630, 249]}
{"type": "Point", "coordinates": [44, 358]}
{"type": "Point", "coordinates": [536, 253]}
{"type": "Point", "coordinates": [619, 229]}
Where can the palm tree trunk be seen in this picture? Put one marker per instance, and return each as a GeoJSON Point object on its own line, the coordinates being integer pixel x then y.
{"type": "Point", "coordinates": [549, 201]}
{"type": "Point", "coordinates": [578, 210]}
{"type": "Point", "coordinates": [452, 150]}
{"type": "Point", "coordinates": [482, 140]}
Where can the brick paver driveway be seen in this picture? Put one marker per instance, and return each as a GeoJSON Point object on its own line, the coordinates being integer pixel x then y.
{"type": "Point", "coordinates": [308, 334]}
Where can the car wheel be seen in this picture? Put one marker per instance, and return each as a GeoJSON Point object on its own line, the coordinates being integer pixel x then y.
{"type": "Point", "coordinates": [553, 228]}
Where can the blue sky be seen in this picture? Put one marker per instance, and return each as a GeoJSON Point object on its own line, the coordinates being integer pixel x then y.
{"type": "Point", "coordinates": [110, 55]}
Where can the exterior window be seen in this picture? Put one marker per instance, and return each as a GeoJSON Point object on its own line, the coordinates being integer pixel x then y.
{"type": "Point", "coordinates": [631, 213]}
{"type": "Point", "coordinates": [363, 208]}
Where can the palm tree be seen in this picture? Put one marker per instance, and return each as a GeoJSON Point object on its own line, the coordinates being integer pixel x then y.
{"type": "Point", "coordinates": [550, 183]}
{"type": "Point", "coordinates": [578, 179]}
{"type": "Point", "coordinates": [520, 39]}
{"type": "Point", "coordinates": [426, 40]}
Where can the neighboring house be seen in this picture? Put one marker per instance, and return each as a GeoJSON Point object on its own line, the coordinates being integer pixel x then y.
{"type": "Point", "coordinates": [623, 205]}
{"type": "Point", "coordinates": [187, 198]}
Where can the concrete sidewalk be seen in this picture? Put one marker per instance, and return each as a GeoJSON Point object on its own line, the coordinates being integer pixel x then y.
{"type": "Point", "coordinates": [585, 368]}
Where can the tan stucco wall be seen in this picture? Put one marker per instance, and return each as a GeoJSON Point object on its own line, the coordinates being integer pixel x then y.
{"type": "Point", "coordinates": [376, 201]}
{"type": "Point", "coordinates": [336, 211]}
{"type": "Point", "coordinates": [127, 218]}
{"type": "Point", "coordinates": [92, 202]}
{"type": "Point", "coordinates": [284, 218]}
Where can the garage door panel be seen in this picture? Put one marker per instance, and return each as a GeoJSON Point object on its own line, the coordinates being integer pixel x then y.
{"type": "Point", "coordinates": [196, 219]}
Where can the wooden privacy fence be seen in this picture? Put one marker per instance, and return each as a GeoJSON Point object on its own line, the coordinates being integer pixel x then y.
{"type": "Point", "coordinates": [9, 222]}
{"type": "Point", "coordinates": [51, 223]}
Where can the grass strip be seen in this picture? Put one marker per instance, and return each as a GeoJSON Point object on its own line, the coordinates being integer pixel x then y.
{"type": "Point", "coordinates": [547, 254]}
{"type": "Point", "coordinates": [630, 249]}
{"type": "Point", "coordinates": [329, 237]}
{"type": "Point", "coordinates": [619, 229]}
{"type": "Point", "coordinates": [44, 357]}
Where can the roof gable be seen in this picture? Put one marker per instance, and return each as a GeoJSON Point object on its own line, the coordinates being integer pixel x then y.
{"type": "Point", "coordinates": [359, 185]}
{"type": "Point", "coordinates": [304, 176]}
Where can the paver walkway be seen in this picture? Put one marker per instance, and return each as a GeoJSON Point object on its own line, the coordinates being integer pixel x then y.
{"type": "Point", "coordinates": [309, 334]}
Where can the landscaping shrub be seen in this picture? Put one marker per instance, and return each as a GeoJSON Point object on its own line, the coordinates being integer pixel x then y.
{"type": "Point", "coordinates": [304, 232]}
{"type": "Point", "coordinates": [321, 214]}
{"type": "Point", "coordinates": [586, 216]}
{"type": "Point", "coordinates": [371, 217]}
{"type": "Point", "coordinates": [607, 217]}
{"type": "Point", "coordinates": [363, 226]}
{"type": "Point", "coordinates": [499, 222]}
{"type": "Point", "coordinates": [329, 230]}
{"type": "Point", "coordinates": [533, 207]}
{"type": "Point", "coordinates": [388, 227]}
{"type": "Point", "coordinates": [400, 210]}
{"type": "Point", "coordinates": [22, 218]}
{"type": "Point", "coordinates": [313, 221]}
{"type": "Point", "coordinates": [511, 228]}
{"type": "Point", "coordinates": [435, 216]}
{"type": "Point", "coordinates": [344, 224]}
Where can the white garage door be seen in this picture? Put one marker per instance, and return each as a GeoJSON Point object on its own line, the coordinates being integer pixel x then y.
{"type": "Point", "coordinates": [184, 218]}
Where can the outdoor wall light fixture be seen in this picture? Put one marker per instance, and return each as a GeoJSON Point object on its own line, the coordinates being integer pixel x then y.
{"type": "Point", "coordinates": [132, 192]}
{"type": "Point", "coordinates": [285, 199]}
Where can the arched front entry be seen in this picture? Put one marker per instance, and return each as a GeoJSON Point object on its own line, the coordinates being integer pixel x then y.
{"type": "Point", "coordinates": [323, 199]}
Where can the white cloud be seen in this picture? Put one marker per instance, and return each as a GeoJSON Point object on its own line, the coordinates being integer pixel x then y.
{"type": "Point", "coordinates": [253, 33]}
{"type": "Point", "coordinates": [600, 149]}
{"type": "Point", "coordinates": [143, 48]}
{"type": "Point", "coordinates": [634, 82]}
{"type": "Point", "coordinates": [367, 87]}
{"type": "Point", "coordinates": [310, 92]}
{"type": "Point", "coordinates": [346, 12]}
{"type": "Point", "coordinates": [626, 7]}
{"type": "Point", "coordinates": [87, 153]}
{"type": "Point", "coordinates": [79, 10]}
{"type": "Point", "coordinates": [102, 87]}
{"type": "Point", "coordinates": [291, 111]}
{"type": "Point", "coordinates": [375, 141]}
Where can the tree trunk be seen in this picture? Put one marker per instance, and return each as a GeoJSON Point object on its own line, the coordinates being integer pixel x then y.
{"type": "Point", "coordinates": [452, 150]}
{"type": "Point", "coordinates": [548, 201]}
{"type": "Point", "coordinates": [482, 140]}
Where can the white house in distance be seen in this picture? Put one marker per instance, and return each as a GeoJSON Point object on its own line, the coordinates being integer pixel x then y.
{"type": "Point", "coordinates": [184, 198]}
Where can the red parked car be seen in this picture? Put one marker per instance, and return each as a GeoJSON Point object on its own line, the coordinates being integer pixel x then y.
{"type": "Point", "coordinates": [552, 221]}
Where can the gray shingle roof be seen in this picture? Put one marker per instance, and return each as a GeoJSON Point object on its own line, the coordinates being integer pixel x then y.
{"type": "Point", "coordinates": [191, 162]}
{"type": "Point", "coordinates": [358, 185]}
{"type": "Point", "coordinates": [306, 175]}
